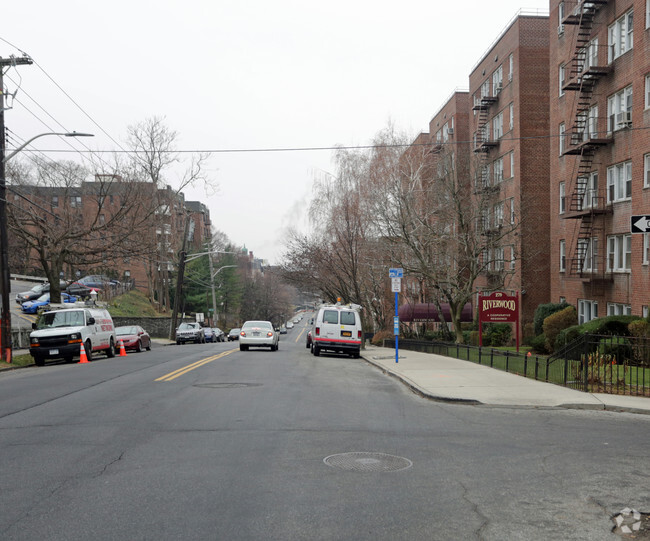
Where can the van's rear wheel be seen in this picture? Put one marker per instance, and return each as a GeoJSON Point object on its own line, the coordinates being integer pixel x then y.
{"type": "Point", "coordinates": [316, 351]}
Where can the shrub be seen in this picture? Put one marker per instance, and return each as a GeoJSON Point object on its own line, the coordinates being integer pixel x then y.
{"type": "Point", "coordinates": [538, 344]}
{"type": "Point", "coordinates": [497, 334]}
{"type": "Point", "coordinates": [639, 328]}
{"type": "Point", "coordinates": [378, 339]}
{"type": "Point", "coordinates": [567, 336]}
{"type": "Point", "coordinates": [543, 311]}
{"type": "Point", "coordinates": [557, 322]}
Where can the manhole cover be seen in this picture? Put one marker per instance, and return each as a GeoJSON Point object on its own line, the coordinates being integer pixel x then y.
{"type": "Point", "coordinates": [226, 385]}
{"type": "Point", "coordinates": [368, 462]}
{"type": "Point", "coordinates": [631, 524]}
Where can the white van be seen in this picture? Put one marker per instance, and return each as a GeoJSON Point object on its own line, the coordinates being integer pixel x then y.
{"type": "Point", "coordinates": [337, 328]}
{"type": "Point", "coordinates": [60, 333]}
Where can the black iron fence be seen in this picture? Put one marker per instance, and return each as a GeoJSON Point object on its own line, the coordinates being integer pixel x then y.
{"type": "Point", "coordinates": [593, 363]}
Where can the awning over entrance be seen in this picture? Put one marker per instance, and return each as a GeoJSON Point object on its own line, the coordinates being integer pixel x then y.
{"type": "Point", "coordinates": [428, 312]}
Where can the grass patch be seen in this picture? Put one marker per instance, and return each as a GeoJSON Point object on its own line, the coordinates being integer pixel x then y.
{"type": "Point", "coordinates": [133, 304]}
{"type": "Point", "coordinates": [18, 360]}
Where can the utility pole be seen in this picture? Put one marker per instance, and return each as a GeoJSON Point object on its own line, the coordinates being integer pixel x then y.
{"type": "Point", "coordinates": [5, 287]}
{"type": "Point", "coordinates": [179, 279]}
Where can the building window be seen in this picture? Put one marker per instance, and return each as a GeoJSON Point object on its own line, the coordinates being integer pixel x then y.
{"type": "Point", "coordinates": [512, 210]}
{"type": "Point", "coordinates": [561, 77]}
{"type": "Point", "coordinates": [646, 169]}
{"type": "Point", "coordinates": [512, 116]}
{"type": "Point", "coordinates": [497, 81]}
{"type": "Point", "coordinates": [562, 197]}
{"type": "Point", "coordinates": [644, 308]}
{"type": "Point", "coordinates": [102, 219]}
{"type": "Point", "coordinates": [498, 214]}
{"type": "Point", "coordinates": [55, 201]}
{"type": "Point", "coordinates": [619, 182]}
{"type": "Point", "coordinates": [587, 310]}
{"type": "Point", "coordinates": [562, 255]}
{"type": "Point", "coordinates": [498, 170]}
{"type": "Point", "coordinates": [498, 259]}
{"type": "Point", "coordinates": [75, 201]}
{"type": "Point", "coordinates": [512, 164]}
{"type": "Point", "coordinates": [485, 89]}
{"type": "Point", "coordinates": [513, 258]}
{"type": "Point", "coordinates": [647, 89]}
{"type": "Point", "coordinates": [620, 36]}
{"type": "Point", "coordinates": [619, 253]}
{"type": "Point", "coordinates": [619, 110]}
{"type": "Point", "coordinates": [647, 18]}
{"type": "Point", "coordinates": [646, 248]}
{"type": "Point", "coordinates": [497, 126]}
{"type": "Point", "coordinates": [590, 191]}
{"type": "Point", "coordinates": [561, 131]}
{"type": "Point", "coordinates": [588, 249]}
{"type": "Point", "coordinates": [511, 66]}
{"type": "Point", "coordinates": [560, 18]}
{"type": "Point", "coordinates": [618, 309]}
{"type": "Point", "coordinates": [589, 121]}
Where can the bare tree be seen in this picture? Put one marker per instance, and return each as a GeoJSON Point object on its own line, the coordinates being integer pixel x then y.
{"type": "Point", "coordinates": [64, 218]}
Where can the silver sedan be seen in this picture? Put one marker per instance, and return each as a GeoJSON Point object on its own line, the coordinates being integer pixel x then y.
{"type": "Point", "coordinates": [258, 334]}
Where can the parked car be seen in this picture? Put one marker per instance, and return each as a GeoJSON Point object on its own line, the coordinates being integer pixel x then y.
{"type": "Point", "coordinates": [209, 334]}
{"type": "Point", "coordinates": [31, 307]}
{"type": "Point", "coordinates": [283, 329]}
{"type": "Point", "coordinates": [59, 334]}
{"type": "Point", "coordinates": [289, 324]}
{"type": "Point", "coordinates": [78, 290]}
{"type": "Point", "coordinates": [98, 281]}
{"type": "Point", "coordinates": [234, 334]}
{"type": "Point", "coordinates": [258, 334]}
{"type": "Point", "coordinates": [133, 337]}
{"type": "Point", "coordinates": [337, 328]}
{"type": "Point", "coordinates": [221, 336]}
{"type": "Point", "coordinates": [37, 291]}
{"type": "Point", "coordinates": [190, 332]}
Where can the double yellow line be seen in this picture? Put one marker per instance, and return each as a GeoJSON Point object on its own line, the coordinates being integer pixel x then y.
{"type": "Point", "coordinates": [176, 373]}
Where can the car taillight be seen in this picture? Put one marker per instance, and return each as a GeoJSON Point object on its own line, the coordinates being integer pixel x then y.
{"type": "Point", "coordinates": [269, 334]}
{"type": "Point", "coordinates": [242, 333]}
{"type": "Point", "coordinates": [317, 331]}
{"type": "Point", "coordinates": [359, 334]}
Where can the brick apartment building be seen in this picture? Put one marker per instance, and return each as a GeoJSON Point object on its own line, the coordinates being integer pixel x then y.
{"type": "Point", "coordinates": [92, 204]}
{"type": "Point", "coordinates": [600, 155]}
{"type": "Point", "coordinates": [509, 125]}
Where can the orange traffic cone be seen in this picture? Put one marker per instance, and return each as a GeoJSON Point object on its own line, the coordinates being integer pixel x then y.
{"type": "Point", "coordinates": [122, 349]}
{"type": "Point", "coordinates": [82, 356]}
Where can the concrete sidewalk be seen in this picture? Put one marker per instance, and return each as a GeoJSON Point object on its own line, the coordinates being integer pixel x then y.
{"type": "Point", "coordinates": [452, 380]}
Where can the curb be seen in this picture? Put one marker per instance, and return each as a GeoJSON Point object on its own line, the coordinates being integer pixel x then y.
{"type": "Point", "coordinates": [471, 402]}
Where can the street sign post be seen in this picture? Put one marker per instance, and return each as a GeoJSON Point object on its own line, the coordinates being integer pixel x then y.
{"type": "Point", "coordinates": [396, 276]}
{"type": "Point", "coordinates": [640, 223]}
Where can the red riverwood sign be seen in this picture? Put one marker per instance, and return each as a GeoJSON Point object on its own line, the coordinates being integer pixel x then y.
{"type": "Point", "coordinates": [498, 307]}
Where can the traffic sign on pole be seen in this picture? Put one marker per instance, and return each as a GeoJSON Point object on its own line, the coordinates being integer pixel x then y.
{"type": "Point", "coordinates": [396, 284]}
{"type": "Point", "coordinates": [395, 273]}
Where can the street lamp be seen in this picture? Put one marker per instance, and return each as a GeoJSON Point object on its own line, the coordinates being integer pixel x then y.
{"type": "Point", "coordinates": [5, 312]}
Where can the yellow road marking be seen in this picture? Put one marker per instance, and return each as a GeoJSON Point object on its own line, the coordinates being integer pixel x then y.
{"type": "Point", "coordinates": [298, 337]}
{"type": "Point", "coordinates": [197, 364]}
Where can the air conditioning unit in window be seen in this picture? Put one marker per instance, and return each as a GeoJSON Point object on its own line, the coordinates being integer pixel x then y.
{"type": "Point", "coordinates": [450, 131]}
{"type": "Point", "coordinates": [497, 88]}
{"type": "Point", "coordinates": [623, 119]}
{"type": "Point", "coordinates": [560, 29]}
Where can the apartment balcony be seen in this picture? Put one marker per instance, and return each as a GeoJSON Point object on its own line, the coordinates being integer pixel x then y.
{"type": "Point", "coordinates": [592, 142]}
{"type": "Point", "coordinates": [587, 78]}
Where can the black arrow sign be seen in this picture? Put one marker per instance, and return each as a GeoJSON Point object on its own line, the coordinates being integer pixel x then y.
{"type": "Point", "coordinates": [640, 224]}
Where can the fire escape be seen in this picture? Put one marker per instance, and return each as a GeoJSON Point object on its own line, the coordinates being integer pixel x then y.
{"type": "Point", "coordinates": [484, 142]}
{"type": "Point", "coordinates": [585, 202]}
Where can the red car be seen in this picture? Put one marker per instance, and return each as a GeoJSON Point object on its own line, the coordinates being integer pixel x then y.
{"type": "Point", "coordinates": [133, 337]}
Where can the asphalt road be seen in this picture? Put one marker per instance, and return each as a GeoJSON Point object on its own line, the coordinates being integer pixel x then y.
{"type": "Point", "coordinates": [207, 442]}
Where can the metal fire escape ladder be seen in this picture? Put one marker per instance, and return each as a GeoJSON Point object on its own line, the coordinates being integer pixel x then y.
{"type": "Point", "coordinates": [583, 78]}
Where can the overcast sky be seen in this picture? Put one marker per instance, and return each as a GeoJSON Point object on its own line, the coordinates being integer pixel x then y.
{"type": "Point", "coordinates": [246, 74]}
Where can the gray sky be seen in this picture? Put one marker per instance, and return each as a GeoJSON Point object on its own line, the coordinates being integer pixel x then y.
{"type": "Point", "coordinates": [246, 74]}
